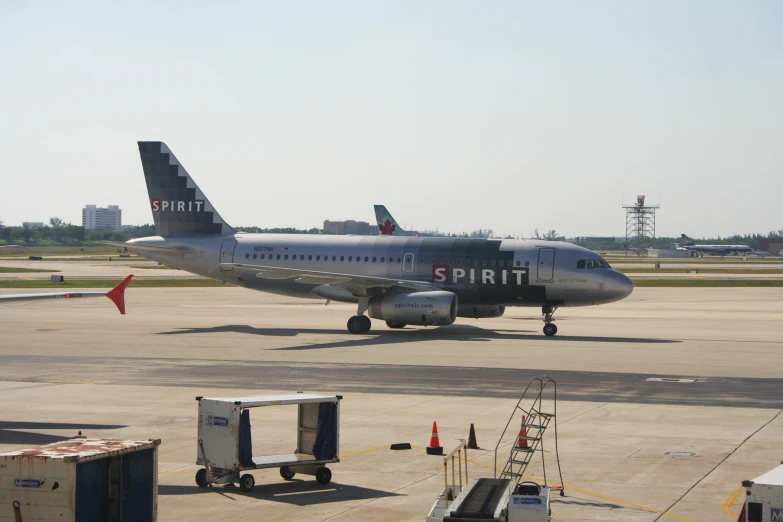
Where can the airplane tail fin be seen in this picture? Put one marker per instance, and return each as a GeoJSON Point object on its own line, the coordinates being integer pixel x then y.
{"type": "Point", "coordinates": [178, 205]}
{"type": "Point", "coordinates": [117, 294]}
{"type": "Point", "coordinates": [387, 226]}
{"type": "Point", "coordinates": [686, 240]}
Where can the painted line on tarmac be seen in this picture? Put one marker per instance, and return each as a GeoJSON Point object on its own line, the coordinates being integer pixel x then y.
{"type": "Point", "coordinates": [731, 502]}
{"type": "Point", "coordinates": [598, 495]}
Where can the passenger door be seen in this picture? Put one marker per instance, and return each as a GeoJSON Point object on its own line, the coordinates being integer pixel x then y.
{"type": "Point", "coordinates": [227, 254]}
{"type": "Point", "coordinates": [407, 263]}
{"type": "Point", "coordinates": [546, 264]}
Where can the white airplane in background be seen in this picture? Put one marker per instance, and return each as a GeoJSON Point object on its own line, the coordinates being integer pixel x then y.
{"type": "Point", "coordinates": [716, 250]}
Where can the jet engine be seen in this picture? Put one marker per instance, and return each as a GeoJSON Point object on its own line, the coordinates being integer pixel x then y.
{"type": "Point", "coordinates": [480, 311]}
{"type": "Point", "coordinates": [419, 308]}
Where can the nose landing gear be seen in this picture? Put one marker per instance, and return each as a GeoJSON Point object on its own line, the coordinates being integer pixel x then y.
{"type": "Point", "coordinates": [549, 328]}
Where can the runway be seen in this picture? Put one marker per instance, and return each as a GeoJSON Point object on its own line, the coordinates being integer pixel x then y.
{"type": "Point", "coordinates": [399, 379]}
{"type": "Point", "coordinates": [692, 371]}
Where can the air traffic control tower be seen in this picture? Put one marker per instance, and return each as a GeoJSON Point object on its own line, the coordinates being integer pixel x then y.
{"type": "Point", "coordinates": [639, 226]}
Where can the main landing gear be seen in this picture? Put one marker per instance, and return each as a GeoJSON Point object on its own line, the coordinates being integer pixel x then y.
{"type": "Point", "coordinates": [360, 323]}
{"type": "Point", "coordinates": [549, 328]}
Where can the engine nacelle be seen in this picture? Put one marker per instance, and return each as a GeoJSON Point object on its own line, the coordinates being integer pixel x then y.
{"type": "Point", "coordinates": [480, 311]}
{"type": "Point", "coordinates": [419, 308]}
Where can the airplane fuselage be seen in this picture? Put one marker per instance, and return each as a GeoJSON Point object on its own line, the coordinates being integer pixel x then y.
{"type": "Point", "coordinates": [478, 271]}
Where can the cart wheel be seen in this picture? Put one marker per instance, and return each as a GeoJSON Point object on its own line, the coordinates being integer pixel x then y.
{"type": "Point", "coordinates": [287, 473]}
{"type": "Point", "coordinates": [323, 476]}
{"type": "Point", "coordinates": [246, 482]}
{"type": "Point", "coordinates": [201, 478]}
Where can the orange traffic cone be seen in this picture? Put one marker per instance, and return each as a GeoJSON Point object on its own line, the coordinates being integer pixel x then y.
{"type": "Point", "coordinates": [521, 441]}
{"type": "Point", "coordinates": [434, 448]}
{"type": "Point", "coordinates": [472, 444]}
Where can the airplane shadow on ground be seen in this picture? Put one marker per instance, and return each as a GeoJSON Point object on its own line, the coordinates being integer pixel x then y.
{"type": "Point", "coordinates": [295, 492]}
{"type": "Point", "coordinates": [12, 432]}
{"type": "Point", "coordinates": [460, 333]}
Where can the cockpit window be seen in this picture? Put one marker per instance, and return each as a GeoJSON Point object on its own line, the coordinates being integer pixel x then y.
{"type": "Point", "coordinates": [592, 263]}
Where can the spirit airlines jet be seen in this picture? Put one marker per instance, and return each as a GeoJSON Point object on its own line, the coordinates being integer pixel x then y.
{"type": "Point", "coordinates": [718, 250]}
{"type": "Point", "coordinates": [400, 280]}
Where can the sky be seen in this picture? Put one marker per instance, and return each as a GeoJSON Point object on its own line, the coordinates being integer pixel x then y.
{"type": "Point", "coordinates": [456, 115]}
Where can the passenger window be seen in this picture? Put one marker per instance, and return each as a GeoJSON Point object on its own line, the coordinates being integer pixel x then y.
{"type": "Point", "coordinates": [317, 258]}
{"type": "Point", "coordinates": [326, 258]}
{"type": "Point", "coordinates": [391, 260]}
{"type": "Point", "coordinates": [254, 256]}
{"type": "Point", "coordinates": [310, 257]}
{"type": "Point", "coordinates": [580, 263]}
{"type": "Point", "coordinates": [492, 263]}
{"type": "Point", "coordinates": [342, 258]}
{"type": "Point", "coordinates": [383, 259]}
{"type": "Point", "coordinates": [518, 263]}
{"type": "Point", "coordinates": [247, 256]}
{"type": "Point", "coordinates": [501, 263]}
{"type": "Point", "coordinates": [278, 256]}
{"type": "Point", "coordinates": [334, 258]}
{"type": "Point", "coordinates": [527, 263]}
{"type": "Point", "coordinates": [374, 259]}
{"type": "Point", "coordinates": [483, 262]}
{"type": "Point", "coordinates": [350, 258]}
{"type": "Point", "coordinates": [366, 259]}
{"type": "Point", "coordinates": [459, 262]}
{"type": "Point", "coordinates": [286, 256]}
{"type": "Point", "coordinates": [399, 260]}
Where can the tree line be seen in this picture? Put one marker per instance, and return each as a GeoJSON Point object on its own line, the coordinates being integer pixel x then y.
{"type": "Point", "coordinates": [57, 231]}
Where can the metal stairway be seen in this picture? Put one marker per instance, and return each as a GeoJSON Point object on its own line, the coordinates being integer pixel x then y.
{"type": "Point", "coordinates": [535, 423]}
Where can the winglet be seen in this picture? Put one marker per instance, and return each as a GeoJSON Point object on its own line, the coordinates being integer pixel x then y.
{"type": "Point", "coordinates": [117, 294]}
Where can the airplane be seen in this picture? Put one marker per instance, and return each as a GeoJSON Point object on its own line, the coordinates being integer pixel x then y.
{"type": "Point", "coordinates": [400, 280]}
{"type": "Point", "coordinates": [717, 250]}
{"type": "Point", "coordinates": [116, 294]}
{"type": "Point", "coordinates": [387, 225]}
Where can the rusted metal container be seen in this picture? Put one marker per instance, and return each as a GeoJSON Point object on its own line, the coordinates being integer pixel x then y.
{"type": "Point", "coordinates": [80, 479]}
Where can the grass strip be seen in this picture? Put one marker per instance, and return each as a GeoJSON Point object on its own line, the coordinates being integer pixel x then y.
{"type": "Point", "coordinates": [14, 270]}
{"type": "Point", "coordinates": [706, 283]}
{"type": "Point", "coordinates": [109, 283]}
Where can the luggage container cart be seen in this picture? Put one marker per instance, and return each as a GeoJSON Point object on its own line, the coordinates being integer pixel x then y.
{"type": "Point", "coordinates": [81, 480]}
{"type": "Point", "coordinates": [225, 447]}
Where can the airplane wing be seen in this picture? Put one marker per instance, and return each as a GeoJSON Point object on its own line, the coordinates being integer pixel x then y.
{"type": "Point", "coordinates": [360, 286]}
{"type": "Point", "coordinates": [116, 294]}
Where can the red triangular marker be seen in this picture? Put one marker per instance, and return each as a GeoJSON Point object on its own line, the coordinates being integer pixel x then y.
{"type": "Point", "coordinates": [117, 294]}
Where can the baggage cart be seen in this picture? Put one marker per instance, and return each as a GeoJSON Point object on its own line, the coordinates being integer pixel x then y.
{"type": "Point", "coordinates": [225, 440]}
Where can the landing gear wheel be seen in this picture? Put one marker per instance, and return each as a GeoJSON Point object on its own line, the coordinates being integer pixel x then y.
{"type": "Point", "coordinates": [323, 476]}
{"type": "Point", "coordinates": [550, 330]}
{"type": "Point", "coordinates": [201, 478]}
{"type": "Point", "coordinates": [359, 324]}
{"type": "Point", "coordinates": [246, 482]}
{"type": "Point", "coordinates": [287, 473]}
{"type": "Point", "coordinates": [394, 324]}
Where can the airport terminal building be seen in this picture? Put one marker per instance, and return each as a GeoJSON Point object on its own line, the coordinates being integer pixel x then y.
{"type": "Point", "coordinates": [94, 217]}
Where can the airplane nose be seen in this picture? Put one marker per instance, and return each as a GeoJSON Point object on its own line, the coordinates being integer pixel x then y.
{"type": "Point", "coordinates": [620, 286]}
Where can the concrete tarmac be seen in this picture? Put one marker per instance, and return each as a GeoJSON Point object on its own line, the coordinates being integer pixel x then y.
{"type": "Point", "coordinates": [667, 370]}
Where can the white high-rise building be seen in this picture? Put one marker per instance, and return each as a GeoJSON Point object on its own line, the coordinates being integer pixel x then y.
{"type": "Point", "coordinates": [107, 218]}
